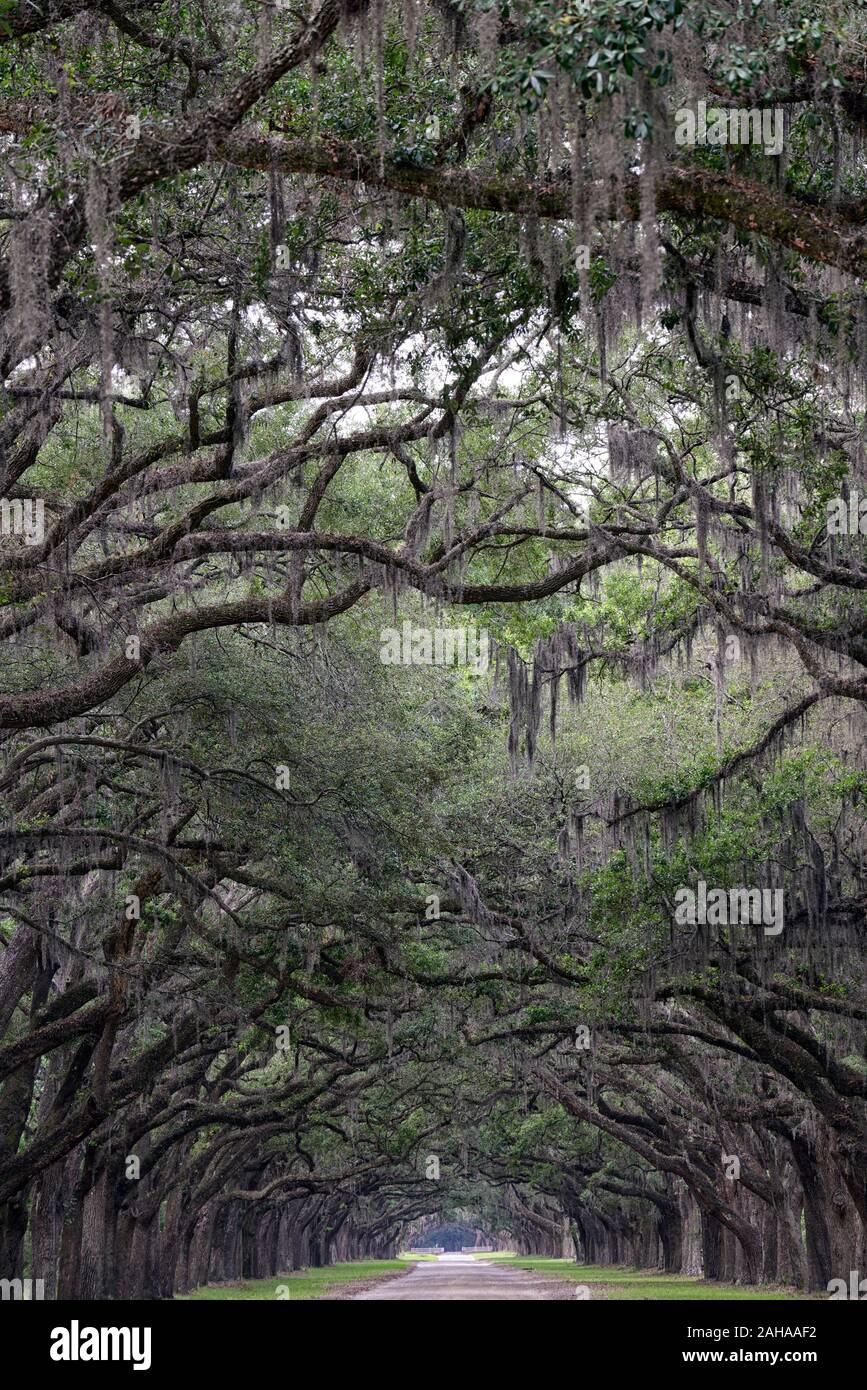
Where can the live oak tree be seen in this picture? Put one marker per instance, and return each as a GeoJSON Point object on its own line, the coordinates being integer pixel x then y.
{"type": "Point", "coordinates": [317, 321]}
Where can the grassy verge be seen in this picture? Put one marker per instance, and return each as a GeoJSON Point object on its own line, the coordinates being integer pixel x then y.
{"type": "Point", "coordinates": [303, 1283]}
{"type": "Point", "coordinates": [621, 1282]}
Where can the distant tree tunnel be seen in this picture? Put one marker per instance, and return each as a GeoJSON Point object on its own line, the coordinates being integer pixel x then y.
{"type": "Point", "coordinates": [451, 1237]}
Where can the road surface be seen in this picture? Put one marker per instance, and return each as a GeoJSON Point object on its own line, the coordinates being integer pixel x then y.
{"type": "Point", "coordinates": [463, 1277]}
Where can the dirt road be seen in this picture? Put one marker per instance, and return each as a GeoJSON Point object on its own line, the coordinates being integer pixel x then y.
{"type": "Point", "coordinates": [462, 1277]}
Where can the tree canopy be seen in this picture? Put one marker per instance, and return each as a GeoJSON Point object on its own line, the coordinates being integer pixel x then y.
{"type": "Point", "coordinates": [328, 326]}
